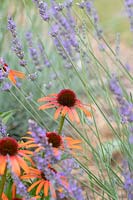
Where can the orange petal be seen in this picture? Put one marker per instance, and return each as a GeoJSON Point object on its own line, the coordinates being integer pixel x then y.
{"type": "Point", "coordinates": [88, 114]}
{"type": "Point", "coordinates": [64, 110]}
{"type": "Point", "coordinates": [46, 187]}
{"type": "Point", "coordinates": [39, 187]}
{"type": "Point", "coordinates": [2, 164]}
{"type": "Point", "coordinates": [17, 73]}
{"type": "Point", "coordinates": [15, 165]}
{"type": "Point", "coordinates": [46, 99]}
{"type": "Point", "coordinates": [23, 164]}
{"type": "Point", "coordinates": [28, 158]}
{"type": "Point", "coordinates": [72, 141]}
{"type": "Point", "coordinates": [26, 152]}
{"type": "Point", "coordinates": [70, 114]}
{"type": "Point", "coordinates": [12, 78]}
{"type": "Point", "coordinates": [4, 197]}
{"type": "Point", "coordinates": [75, 115]}
{"type": "Point", "coordinates": [33, 185]}
{"type": "Point", "coordinates": [13, 190]}
{"type": "Point", "coordinates": [43, 107]}
{"type": "Point", "coordinates": [57, 112]}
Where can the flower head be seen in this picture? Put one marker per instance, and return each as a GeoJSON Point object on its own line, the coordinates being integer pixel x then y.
{"type": "Point", "coordinates": [10, 150]}
{"type": "Point", "coordinates": [42, 182]}
{"type": "Point", "coordinates": [66, 102]}
{"type": "Point", "coordinates": [54, 138]}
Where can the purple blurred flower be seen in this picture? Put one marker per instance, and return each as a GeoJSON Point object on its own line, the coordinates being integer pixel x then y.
{"type": "Point", "coordinates": [43, 9]}
{"type": "Point", "coordinates": [33, 51]}
{"type": "Point", "coordinates": [129, 10]}
{"type": "Point", "coordinates": [3, 129]}
{"type": "Point", "coordinates": [115, 87]}
{"type": "Point", "coordinates": [20, 187]}
{"type": "Point", "coordinates": [16, 45]}
{"type": "Point", "coordinates": [6, 86]}
{"type": "Point", "coordinates": [128, 182]}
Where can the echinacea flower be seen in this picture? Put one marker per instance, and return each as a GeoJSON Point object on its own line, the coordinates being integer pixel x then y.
{"type": "Point", "coordinates": [42, 181]}
{"type": "Point", "coordinates": [10, 151]}
{"type": "Point", "coordinates": [66, 102]}
{"type": "Point", "coordinates": [57, 141]}
{"type": "Point", "coordinates": [12, 74]}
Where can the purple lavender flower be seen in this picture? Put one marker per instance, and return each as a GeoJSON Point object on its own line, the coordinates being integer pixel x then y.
{"type": "Point", "coordinates": [129, 10]}
{"type": "Point", "coordinates": [46, 62]}
{"type": "Point", "coordinates": [33, 51]}
{"type": "Point", "coordinates": [16, 45]}
{"type": "Point", "coordinates": [115, 87]}
{"type": "Point", "coordinates": [43, 9]}
{"type": "Point", "coordinates": [128, 182]}
{"type": "Point", "coordinates": [3, 129]}
{"type": "Point", "coordinates": [6, 86]}
{"type": "Point", "coordinates": [20, 187]}
{"type": "Point", "coordinates": [92, 12]}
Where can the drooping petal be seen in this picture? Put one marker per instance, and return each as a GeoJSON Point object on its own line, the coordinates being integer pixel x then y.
{"type": "Point", "coordinates": [15, 165]}
{"type": "Point", "coordinates": [75, 115]}
{"type": "Point", "coordinates": [87, 113]}
{"type": "Point", "coordinates": [70, 114]}
{"type": "Point", "coordinates": [4, 197]}
{"type": "Point", "coordinates": [64, 110]}
{"type": "Point", "coordinates": [33, 185]}
{"type": "Point", "coordinates": [12, 78]}
{"type": "Point", "coordinates": [22, 163]}
{"type": "Point", "coordinates": [39, 187]}
{"type": "Point", "coordinates": [13, 190]}
{"type": "Point", "coordinates": [57, 112]}
{"type": "Point", "coordinates": [17, 73]}
{"type": "Point", "coordinates": [2, 164]}
{"type": "Point", "coordinates": [27, 157]}
{"type": "Point", "coordinates": [46, 187]}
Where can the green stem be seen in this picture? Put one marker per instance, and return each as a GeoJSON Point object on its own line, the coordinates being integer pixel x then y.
{"type": "Point", "coordinates": [3, 180]}
{"type": "Point", "coordinates": [61, 124]}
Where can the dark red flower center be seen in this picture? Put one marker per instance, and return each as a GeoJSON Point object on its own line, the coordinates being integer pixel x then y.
{"type": "Point", "coordinates": [43, 176]}
{"type": "Point", "coordinates": [66, 97]}
{"type": "Point", "coordinates": [9, 146]}
{"type": "Point", "coordinates": [52, 170]}
{"type": "Point", "coordinates": [54, 139]}
{"type": "Point", "coordinates": [17, 199]}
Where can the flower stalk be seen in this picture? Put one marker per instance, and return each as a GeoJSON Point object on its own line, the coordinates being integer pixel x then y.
{"type": "Point", "coordinates": [61, 124]}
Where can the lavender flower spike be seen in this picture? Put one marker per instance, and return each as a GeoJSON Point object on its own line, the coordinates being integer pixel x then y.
{"type": "Point", "coordinates": [16, 45]}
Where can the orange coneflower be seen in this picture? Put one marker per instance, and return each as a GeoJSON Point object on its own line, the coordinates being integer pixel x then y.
{"type": "Point", "coordinates": [42, 181]}
{"type": "Point", "coordinates": [11, 150]}
{"type": "Point", "coordinates": [66, 102]}
{"type": "Point", "coordinates": [12, 74]}
{"type": "Point", "coordinates": [57, 141]}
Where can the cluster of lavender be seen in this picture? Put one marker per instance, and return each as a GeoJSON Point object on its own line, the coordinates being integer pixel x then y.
{"type": "Point", "coordinates": [129, 10]}
{"type": "Point", "coordinates": [128, 183]}
{"type": "Point", "coordinates": [93, 14]}
{"type": "Point", "coordinates": [20, 187]}
{"type": "Point", "coordinates": [62, 27]}
{"type": "Point", "coordinates": [125, 107]}
{"type": "Point", "coordinates": [16, 45]}
{"type": "Point", "coordinates": [57, 179]}
{"type": "Point", "coordinates": [126, 113]}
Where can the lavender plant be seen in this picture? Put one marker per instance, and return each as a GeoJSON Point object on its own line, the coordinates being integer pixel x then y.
{"type": "Point", "coordinates": [79, 137]}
